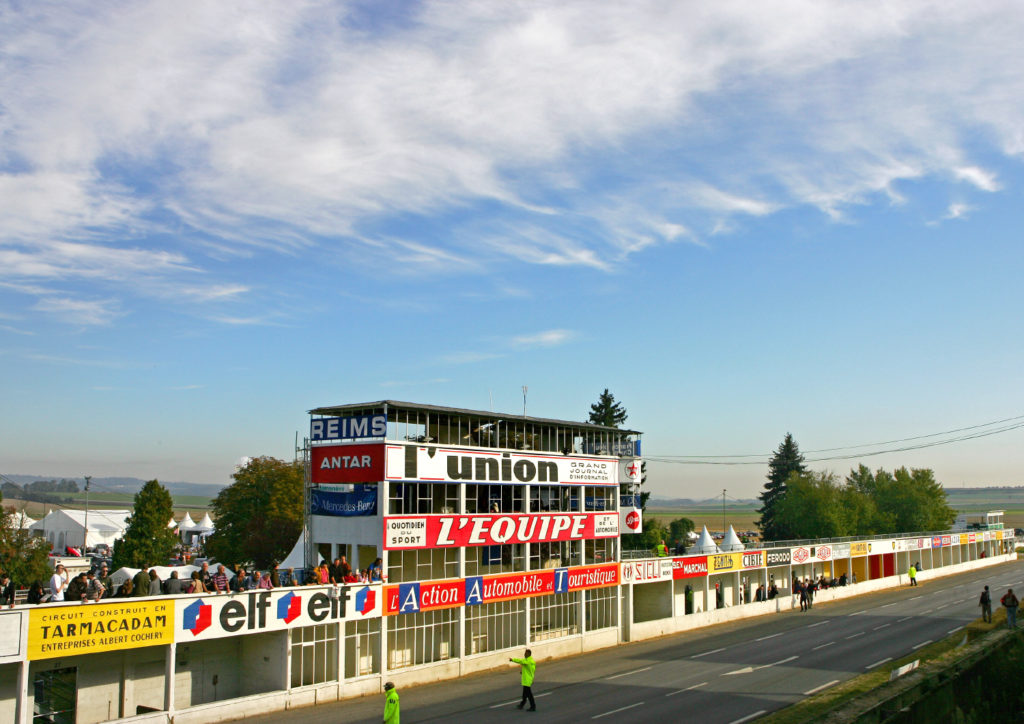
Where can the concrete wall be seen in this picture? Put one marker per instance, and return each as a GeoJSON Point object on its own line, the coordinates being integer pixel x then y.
{"type": "Point", "coordinates": [8, 692]}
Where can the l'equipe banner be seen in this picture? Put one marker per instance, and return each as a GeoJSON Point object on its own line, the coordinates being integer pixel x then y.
{"type": "Point", "coordinates": [442, 531]}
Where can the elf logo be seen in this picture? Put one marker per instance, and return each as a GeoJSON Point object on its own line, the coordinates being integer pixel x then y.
{"type": "Point", "coordinates": [366, 600]}
{"type": "Point", "coordinates": [289, 607]}
{"type": "Point", "coordinates": [197, 618]}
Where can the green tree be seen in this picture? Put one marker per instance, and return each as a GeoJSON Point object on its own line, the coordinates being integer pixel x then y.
{"type": "Point", "coordinates": [811, 507]}
{"type": "Point", "coordinates": [653, 533]}
{"type": "Point", "coordinates": [147, 539]}
{"type": "Point", "coordinates": [679, 531]}
{"type": "Point", "coordinates": [22, 556]}
{"type": "Point", "coordinates": [259, 516]}
{"type": "Point", "coordinates": [606, 411]}
{"type": "Point", "coordinates": [785, 461]}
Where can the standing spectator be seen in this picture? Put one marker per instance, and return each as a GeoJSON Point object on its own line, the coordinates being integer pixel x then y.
{"type": "Point", "coordinates": [265, 582]}
{"type": "Point", "coordinates": [346, 569]}
{"type": "Point", "coordinates": [172, 586]}
{"type": "Point", "coordinates": [220, 580]}
{"type": "Point", "coordinates": [36, 593]}
{"type": "Point", "coordinates": [204, 573]}
{"type": "Point", "coordinates": [527, 668]}
{"type": "Point", "coordinates": [140, 583]}
{"type": "Point", "coordinates": [323, 575]}
{"type": "Point", "coordinates": [661, 550]}
{"type": "Point", "coordinates": [126, 590]}
{"type": "Point", "coordinates": [251, 581]}
{"type": "Point", "coordinates": [155, 587]}
{"type": "Point", "coordinates": [237, 584]}
{"type": "Point", "coordinates": [275, 576]}
{"type": "Point", "coordinates": [76, 589]}
{"type": "Point", "coordinates": [334, 571]}
{"type": "Point", "coordinates": [390, 704]}
{"type": "Point", "coordinates": [986, 606]}
{"type": "Point", "coordinates": [773, 590]}
{"type": "Point", "coordinates": [1010, 602]}
{"type": "Point", "coordinates": [6, 590]}
{"type": "Point", "coordinates": [104, 578]}
{"type": "Point", "coordinates": [94, 588]}
{"type": "Point", "coordinates": [196, 585]}
{"type": "Point", "coordinates": [58, 583]}
{"type": "Point", "coordinates": [377, 571]}
{"type": "Point", "coordinates": [287, 579]}
{"type": "Point", "coordinates": [805, 595]}
{"type": "Point", "coordinates": [913, 576]}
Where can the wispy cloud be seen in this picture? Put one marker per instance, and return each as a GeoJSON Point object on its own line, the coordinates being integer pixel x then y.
{"type": "Point", "coordinates": [548, 338]}
{"type": "Point", "coordinates": [984, 180]}
{"type": "Point", "coordinates": [80, 311]}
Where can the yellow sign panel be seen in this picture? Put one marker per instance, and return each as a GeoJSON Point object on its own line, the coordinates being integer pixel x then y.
{"type": "Point", "coordinates": [736, 561]}
{"type": "Point", "coordinates": [999, 535]}
{"type": "Point", "coordinates": [858, 549]}
{"type": "Point", "coordinates": [964, 540]}
{"type": "Point", "coordinates": [89, 628]}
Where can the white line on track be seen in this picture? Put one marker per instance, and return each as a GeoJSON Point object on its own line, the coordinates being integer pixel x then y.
{"type": "Point", "coordinates": [905, 618]}
{"type": "Point", "coordinates": [823, 646]}
{"type": "Point", "coordinates": [688, 688]}
{"type": "Point", "coordinates": [923, 643]}
{"type": "Point", "coordinates": [616, 711]}
{"type": "Point", "coordinates": [887, 605]}
{"type": "Point", "coordinates": [770, 636]}
{"type": "Point", "coordinates": [858, 613]}
{"type": "Point", "coordinates": [954, 630]}
{"type": "Point", "coordinates": [915, 598]}
{"type": "Point", "coordinates": [855, 636]}
{"type": "Point", "coordinates": [715, 651]}
{"type": "Point", "coordinates": [749, 717]}
{"type": "Point", "coordinates": [924, 612]}
{"type": "Point", "coordinates": [516, 701]}
{"type": "Point", "coordinates": [946, 605]}
{"type": "Point", "coordinates": [627, 673]}
{"type": "Point", "coordinates": [820, 623]}
{"type": "Point", "coordinates": [877, 663]}
{"type": "Point", "coordinates": [879, 628]}
{"type": "Point", "coordinates": [816, 689]}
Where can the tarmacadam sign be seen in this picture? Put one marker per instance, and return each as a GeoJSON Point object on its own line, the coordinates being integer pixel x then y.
{"type": "Point", "coordinates": [90, 628]}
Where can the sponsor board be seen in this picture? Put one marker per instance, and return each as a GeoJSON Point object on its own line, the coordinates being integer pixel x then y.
{"type": "Point", "coordinates": [630, 470]}
{"type": "Point", "coordinates": [347, 463]}
{"type": "Point", "coordinates": [800, 555]}
{"type": "Point", "coordinates": [779, 557]}
{"type": "Point", "coordinates": [211, 617]}
{"type": "Point", "coordinates": [362, 500]}
{"type": "Point", "coordinates": [999, 535]}
{"type": "Point", "coordinates": [964, 539]}
{"type": "Point", "coordinates": [937, 541]}
{"type": "Point", "coordinates": [822, 553]}
{"type": "Point", "coordinates": [972, 537]}
{"type": "Point", "coordinates": [645, 571]}
{"type": "Point", "coordinates": [418, 462]}
{"type": "Point", "coordinates": [91, 628]}
{"type": "Point", "coordinates": [840, 550]}
{"type": "Point", "coordinates": [435, 595]}
{"type": "Point", "coordinates": [359, 427]}
{"type": "Point", "coordinates": [690, 567]}
{"type": "Point", "coordinates": [722, 562]}
{"type": "Point", "coordinates": [442, 531]}
{"type": "Point", "coordinates": [630, 520]}
{"type": "Point", "coordinates": [488, 589]}
{"type": "Point", "coordinates": [947, 540]}
{"type": "Point", "coordinates": [859, 549]}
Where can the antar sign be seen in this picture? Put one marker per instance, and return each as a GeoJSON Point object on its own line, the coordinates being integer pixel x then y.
{"type": "Point", "coordinates": [414, 462]}
{"type": "Point", "coordinates": [436, 531]}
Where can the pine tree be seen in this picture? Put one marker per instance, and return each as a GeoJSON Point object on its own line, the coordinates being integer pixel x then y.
{"type": "Point", "coordinates": [786, 461]}
{"type": "Point", "coordinates": [147, 539]}
{"type": "Point", "coordinates": [606, 411]}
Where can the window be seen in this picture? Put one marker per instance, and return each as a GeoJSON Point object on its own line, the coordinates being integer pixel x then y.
{"type": "Point", "coordinates": [421, 638]}
{"type": "Point", "coordinates": [555, 616]}
{"type": "Point", "coordinates": [602, 608]}
{"type": "Point", "coordinates": [55, 692]}
{"type": "Point", "coordinates": [423, 565]}
{"type": "Point", "coordinates": [485, 560]}
{"type": "Point", "coordinates": [601, 550]}
{"type": "Point", "coordinates": [422, 498]}
{"type": "Point", "coordinates": [362, 648]}
{"type": "Point", "coordinates": [482, 498]}
{"type": "Point", "coordinates": [495, 626]}
{"type": "Point", "coordinates": [554, 555]}
{"type": "Point", "coordinates": [601, 497]}
{"type": "Point", "coordinates": [560, 498]}
{"type": "Point", "coordinates": [314, 654]}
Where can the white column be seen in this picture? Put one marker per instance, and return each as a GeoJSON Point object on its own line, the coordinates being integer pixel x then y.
{"type": "Point", "coordinates": [24, 715]}
{"type": "Point", "coordinates": [170, 662]}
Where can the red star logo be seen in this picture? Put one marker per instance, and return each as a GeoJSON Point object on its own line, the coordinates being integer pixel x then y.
{"type": "Point", "coordinates": [633, 470]}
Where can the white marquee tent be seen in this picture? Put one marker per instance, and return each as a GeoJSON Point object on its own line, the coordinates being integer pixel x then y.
{"type": "Point", "coordinates": [67, 527]}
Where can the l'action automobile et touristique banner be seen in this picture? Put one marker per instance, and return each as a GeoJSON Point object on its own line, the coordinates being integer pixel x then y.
{"type": "Point", "coordinates": [418, 462]}
{"type": "Point", "coordinates": [435, 595]}
{"type": "Point", "coordinates": [443, 531]}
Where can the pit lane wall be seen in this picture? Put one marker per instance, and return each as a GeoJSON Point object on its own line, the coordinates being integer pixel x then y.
{"type": "Point", "coordinates": [213, 658]}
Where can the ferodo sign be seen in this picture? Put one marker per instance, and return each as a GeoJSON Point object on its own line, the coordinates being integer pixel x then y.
{"type": "Point", "coordinates": [415, 462]}
{"type": "Point", "coordinates": [690, 567]}
{"type": "Point", "coordinates": [779, 557]}
{"type": "Point", "coordinates": [444, 531]}
{"type": "Point", "coordinates": [211, 617]}
{"type": "Point", "coordinates": [70, 630]}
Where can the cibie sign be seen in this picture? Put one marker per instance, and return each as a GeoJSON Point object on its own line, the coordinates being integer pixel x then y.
{"type": "Point", "coordinates": [210, 617]}
{"type": "Point", "coordinates": [438, 531]}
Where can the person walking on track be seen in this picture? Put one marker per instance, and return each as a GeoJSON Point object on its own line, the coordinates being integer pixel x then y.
{"type": "Point", "coordinates": [527, 667]}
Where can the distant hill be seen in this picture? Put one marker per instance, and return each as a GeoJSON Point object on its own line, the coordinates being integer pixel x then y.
{"type": "Point", "coordinates": [128, 486]}
{"type": "Point", "coordinates": [690, 503]}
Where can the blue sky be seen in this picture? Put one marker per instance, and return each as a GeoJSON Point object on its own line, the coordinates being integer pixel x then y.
{"type": "Point", "coordinates": [743, 219]}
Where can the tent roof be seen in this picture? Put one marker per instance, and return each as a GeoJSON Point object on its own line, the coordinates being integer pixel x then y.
{"type": "Point", "coordinates": [705, 544]}
{"type": "Point", "coordinates": [187, 523]}
{"type": "Point", "coordinates": [109, 520]}
{"type": "Point", "coordinates": [731, 542]}
{"type": "Point", "coordinates": [205, 523]}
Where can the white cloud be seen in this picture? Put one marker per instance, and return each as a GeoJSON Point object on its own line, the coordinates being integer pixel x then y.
{"type": "Point", "coordinates": [548, 338]}
{"type": "Point", "coordinates": [80, 311]}
{"type": "Point", "coordinates": [238, 129]}
{"type": "Point", "coordinates": [957, 211]}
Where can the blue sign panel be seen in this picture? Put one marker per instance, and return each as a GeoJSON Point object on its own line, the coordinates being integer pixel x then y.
{"type": "Point", "coordinates": [361, 427]}
{"type": "Point", "coordinates": [361, 501]}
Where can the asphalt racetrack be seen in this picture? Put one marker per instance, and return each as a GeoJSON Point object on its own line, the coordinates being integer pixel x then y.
{"type": "Point", "coordinates": [725, 674]}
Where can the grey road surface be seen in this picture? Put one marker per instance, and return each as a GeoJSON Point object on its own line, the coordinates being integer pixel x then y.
{"type": "Point", "coordinates": [726, 674]}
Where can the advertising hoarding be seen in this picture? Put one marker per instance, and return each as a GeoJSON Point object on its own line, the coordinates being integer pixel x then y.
{"type": "Point", "coordinates": [409, 532]}
{"type": "Point", "coordinates": [91, 628]}
{"type": "Point", "coordinates": [347, 463]}
{"type": "Point", "coordinates": [418, 462]}
{"type": "Point", "coordinates": [359, 427]}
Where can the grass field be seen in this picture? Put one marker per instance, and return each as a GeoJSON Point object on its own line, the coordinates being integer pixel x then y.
{"type": "Point", "coordinates": [194, 505]}
{"type": "Point", "coordinates": [739, 517]}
